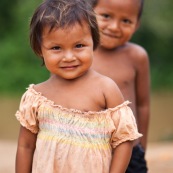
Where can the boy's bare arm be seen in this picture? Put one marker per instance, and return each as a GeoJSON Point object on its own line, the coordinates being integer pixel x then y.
{"type": "Point", "coordinates": [121, 157]}
{"type": "Point", "coordinates": [143, 96]}
{"type": "Point", "coordinates": [25, 151]}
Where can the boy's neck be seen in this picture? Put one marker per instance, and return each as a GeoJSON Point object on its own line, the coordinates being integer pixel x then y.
{"type": "Point", "coordinates": [103, 49]}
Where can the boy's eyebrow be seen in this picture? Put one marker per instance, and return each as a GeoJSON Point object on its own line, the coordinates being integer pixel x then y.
{"type": "Point", "coordinates": [104, 10]}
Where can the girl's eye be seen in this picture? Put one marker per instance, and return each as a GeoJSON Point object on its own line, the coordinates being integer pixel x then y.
{"type": "Point", "coordinates": [79, 45]}
{"type": "Point", "coordinates": [56, 48]}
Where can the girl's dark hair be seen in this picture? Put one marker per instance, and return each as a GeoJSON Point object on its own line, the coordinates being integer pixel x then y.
{"type": "Point", "coordinates": [61, 14]}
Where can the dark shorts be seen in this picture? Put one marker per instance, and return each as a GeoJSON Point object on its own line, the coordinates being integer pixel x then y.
{"type": "Point", "coordinates": [137, 163]}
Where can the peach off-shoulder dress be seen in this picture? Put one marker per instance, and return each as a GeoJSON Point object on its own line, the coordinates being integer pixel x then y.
{"type": "Point", "coordinates": [72, 141]}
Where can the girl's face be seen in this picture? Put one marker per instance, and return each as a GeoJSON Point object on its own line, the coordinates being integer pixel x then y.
{"type": "Point", "coordinates": [117, 20]}
{"type": "Point", "coordinates": [68, 52]}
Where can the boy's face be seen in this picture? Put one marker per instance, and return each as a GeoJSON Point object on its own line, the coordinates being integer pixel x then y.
{"type": "Point", "coordinates": [68, 52]}
{"type": "Point", "coordinates": [117, 20]}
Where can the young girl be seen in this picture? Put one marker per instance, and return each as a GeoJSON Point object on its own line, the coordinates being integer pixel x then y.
{"type": "Point", "coordinates": [77, 120]}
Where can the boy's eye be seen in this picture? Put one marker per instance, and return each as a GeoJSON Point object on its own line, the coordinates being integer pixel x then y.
{"type": "Point", "coordinates": [79, 45]}
{"type": "Point", "coordinates": [106, 15]}
{"type": "Point", "coordinates": [127, 21]}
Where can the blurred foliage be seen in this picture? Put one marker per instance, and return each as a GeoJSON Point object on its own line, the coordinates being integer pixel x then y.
{"type": "Point", "coordinates": [156, 36]}
{"type": "Point", "coordinates": [19, 66]}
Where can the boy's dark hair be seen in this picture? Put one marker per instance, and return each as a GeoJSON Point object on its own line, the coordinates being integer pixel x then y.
{"type": "Point", "coordinates": [141, 9]}
{"type": "Point", "coordinates": [95, 2]}
{"type": "Point", "coordinates": [61, 14]}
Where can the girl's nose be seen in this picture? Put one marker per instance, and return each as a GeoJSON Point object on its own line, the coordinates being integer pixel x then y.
{"type": "Point", "coordinates": [69, 56]}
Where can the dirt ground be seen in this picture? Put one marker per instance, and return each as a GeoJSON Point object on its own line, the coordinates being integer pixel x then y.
{"type": "Point", "coordinates": [159, 157]}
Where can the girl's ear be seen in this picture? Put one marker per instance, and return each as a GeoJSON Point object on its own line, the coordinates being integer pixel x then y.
{"type": "Point", "coordinates": [42, 59]}
{"type": "Point", "coordinates": [43, 63]}
{"type": "Point", "coordinates": [40, 54]}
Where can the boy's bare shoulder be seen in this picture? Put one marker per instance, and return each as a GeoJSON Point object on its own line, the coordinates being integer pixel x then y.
{"type": "Point", "coordinates": [136, 51]}
{"type": "Point", "coordinates": [136, 54]}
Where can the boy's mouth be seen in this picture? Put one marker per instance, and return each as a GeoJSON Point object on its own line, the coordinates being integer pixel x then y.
{"type": "Point", "coordinates": [111, 35]}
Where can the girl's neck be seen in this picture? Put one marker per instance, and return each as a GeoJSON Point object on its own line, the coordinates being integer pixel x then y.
{"type": "Point", "coordinates": [54, 79]}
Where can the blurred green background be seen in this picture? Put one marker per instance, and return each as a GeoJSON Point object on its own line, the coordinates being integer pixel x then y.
{"type": "Point", "coordinates": [20, 67]}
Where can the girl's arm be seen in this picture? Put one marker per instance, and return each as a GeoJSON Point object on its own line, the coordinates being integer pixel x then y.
{"type": "Point", "coordinates": [121, 157]}
{"type": "Point", "coordinates": [122, 152]}
{"type": "Point", "coordinates": [25, 150]}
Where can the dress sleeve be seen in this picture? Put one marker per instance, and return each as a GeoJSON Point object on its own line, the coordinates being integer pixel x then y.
{"type": "Point", "coordinates": [27, 113]}
{"type": "Point", "coordinates": [125, 125]}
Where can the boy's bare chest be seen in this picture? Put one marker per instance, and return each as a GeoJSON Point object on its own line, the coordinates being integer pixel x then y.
{"type": "Point", "coordinates": [121, 70]}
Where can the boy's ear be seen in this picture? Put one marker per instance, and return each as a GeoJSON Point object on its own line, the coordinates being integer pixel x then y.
{"type": "Point", "coordinates": [138, 24]}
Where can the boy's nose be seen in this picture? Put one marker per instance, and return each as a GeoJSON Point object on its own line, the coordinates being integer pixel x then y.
{"type": "Point", "coordinates": [114, 26]}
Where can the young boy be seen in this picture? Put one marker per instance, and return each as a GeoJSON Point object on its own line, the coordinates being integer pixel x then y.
{"type": "Point", "coordinates": [126, 63]}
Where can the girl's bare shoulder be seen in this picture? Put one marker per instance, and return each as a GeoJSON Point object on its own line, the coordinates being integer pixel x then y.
{"type": "Point", "coordinates": [41, 87]}
{"type": "Point", "coordinates": [110, 89]}
{"type": "Point", "coordinates": [104, 80]}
